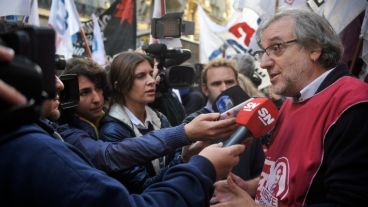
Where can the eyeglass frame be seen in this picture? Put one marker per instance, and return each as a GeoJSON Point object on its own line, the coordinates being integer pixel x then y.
{"type": "Point", "coordinates": [261, 52]}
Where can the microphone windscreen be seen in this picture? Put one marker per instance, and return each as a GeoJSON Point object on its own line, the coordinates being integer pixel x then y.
{"type": "Point", "coordinates": [229, 98]}
{"type": "Point", "coordinates": [177, 57]}
{"type": "Point", "coordinates": [155, 49]}
{"type": "Point", "coordinates": [258, 116]}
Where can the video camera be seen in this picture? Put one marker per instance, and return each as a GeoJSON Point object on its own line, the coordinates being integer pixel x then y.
{"type": "Point", "coordinates": [172, 75]}
{"type": "Point", "coordinates": [31, 72]}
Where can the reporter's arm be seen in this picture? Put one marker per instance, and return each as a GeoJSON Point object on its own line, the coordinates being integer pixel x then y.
{"type": "Point", "coordinates": [115, 156]}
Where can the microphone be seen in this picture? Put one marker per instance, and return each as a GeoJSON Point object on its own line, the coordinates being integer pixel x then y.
{"type": "Point", "coordinates": [169, 57]}
{"type": "Point", "coordinates": [155, 49]}
{"type": "Point", "coordinates": [231, 97]}
{"type": "Point", "coordinates": [177, 56]}
{"type": "Point", "coordinates": [256, 118]}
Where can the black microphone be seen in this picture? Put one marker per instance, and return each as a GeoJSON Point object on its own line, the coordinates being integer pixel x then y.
{"type": "Point", "coordinates": [257, 118]}
{"type": "Point", "coordinates": [156, 49]}
{"type": "Point", "coordinates": [168, 57]}
{"type": "Point", "coordinates": [177, 56]}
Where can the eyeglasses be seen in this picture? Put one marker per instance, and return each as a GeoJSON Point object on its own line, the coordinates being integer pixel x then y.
{"type": "Point", "coordinates": [273, 50]}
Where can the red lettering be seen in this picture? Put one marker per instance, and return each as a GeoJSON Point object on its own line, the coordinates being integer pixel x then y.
{"type": "Point", "coordinates": [249, 31]}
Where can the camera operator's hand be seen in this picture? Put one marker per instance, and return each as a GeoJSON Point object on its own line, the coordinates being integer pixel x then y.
{"type": "Point", "coordinates": [223, 158]}
{"type": "Point", "coordinates": [207, 127]}
{"type": "Point", "coordinates": [7, 92]}
{"type": "Point", "coordinates": [155, 73]}
{"type": "Point", "coordinates": [6, 54]}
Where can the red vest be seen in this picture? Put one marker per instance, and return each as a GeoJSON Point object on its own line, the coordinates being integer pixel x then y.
{"type": "Point", "coordinates": [296, 151]}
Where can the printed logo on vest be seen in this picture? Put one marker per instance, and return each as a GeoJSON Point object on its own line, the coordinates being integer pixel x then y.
{"type": "Point", "coordinates": [274, 182]}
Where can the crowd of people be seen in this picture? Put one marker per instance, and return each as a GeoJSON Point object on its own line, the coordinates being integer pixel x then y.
{"type": "Point", "coordinates": [115, 149]}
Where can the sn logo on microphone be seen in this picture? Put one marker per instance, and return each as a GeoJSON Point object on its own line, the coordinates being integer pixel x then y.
{"type": "Point", "coordinates": [250, 106]}
{"type": "Point", "coordinates": [265, 116]}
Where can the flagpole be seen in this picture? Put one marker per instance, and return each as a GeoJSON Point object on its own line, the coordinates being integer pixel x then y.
{"type": "Point", "coordinates": [163, 7]}
{"type": "Point", "coordinates": [88, 50]}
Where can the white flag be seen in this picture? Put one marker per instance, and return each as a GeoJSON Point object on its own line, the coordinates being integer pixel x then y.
{"type": "Point", "coordinates": [64, 19]}
{"type": "Point", "coordinates": [210, 44]}
{"type": "Point", "coordinates": [98, 49]}
{"type": "Point", "coordinates": [26, 8]}
{"type": "Point", "coordinates": [263, 8]}
{"type": "Point", "coordinates": [338, 12]}
{"type": "Point", "coordinates": [15, 7]}
{"type": "Point", "coordinates": [295, 4]}
{"type": "Point", "coordinates": [33, 17]}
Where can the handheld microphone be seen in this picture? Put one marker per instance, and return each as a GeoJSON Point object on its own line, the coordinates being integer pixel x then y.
{"type": "Point", "coordinates": [256, 118]}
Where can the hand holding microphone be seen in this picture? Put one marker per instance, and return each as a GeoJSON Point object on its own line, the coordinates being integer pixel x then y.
{"type": "Point", "coordinates": [256, 118]}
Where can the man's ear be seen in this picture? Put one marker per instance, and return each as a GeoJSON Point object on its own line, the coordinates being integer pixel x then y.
{"type": "Point", "coordinates": [315, 54]}
{"type": "Point", "coordinates": [205, 90]}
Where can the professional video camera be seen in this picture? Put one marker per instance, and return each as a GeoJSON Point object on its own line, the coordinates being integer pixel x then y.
{"type": "Point", "coordinates": [172, 75]}
{"type": "Point", "coordinates": [31, 72]}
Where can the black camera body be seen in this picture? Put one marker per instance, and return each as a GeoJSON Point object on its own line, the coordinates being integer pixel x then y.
{"type": "Point", "coordinates": [172, 75]}
{"type": "Point", "coordinates": [31, 72]}
{"type": "Point", "coordinates": [69, 97]}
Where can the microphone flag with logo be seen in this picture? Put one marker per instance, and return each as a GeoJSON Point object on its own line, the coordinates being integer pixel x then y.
{"type": "Point", "coordinates": [256, 118]}
{"type": "Point", "coordinates": [229, 98]}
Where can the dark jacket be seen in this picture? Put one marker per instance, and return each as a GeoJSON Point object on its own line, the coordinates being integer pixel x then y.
{"type": "Point", "coordinates": [37, 170]}
{"type": "Point", "coordinates": [80, 123]}
{"type": "Point", "coordinates": [141, 176]}
{"type": "Point", "coordinates": [341, 179]}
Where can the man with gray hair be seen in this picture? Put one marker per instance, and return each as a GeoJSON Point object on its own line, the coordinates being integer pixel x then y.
{"type": "Point", "coordinates": [320, 139]}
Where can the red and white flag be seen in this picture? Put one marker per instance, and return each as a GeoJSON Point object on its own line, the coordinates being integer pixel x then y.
{"type": "Point", "coordinates": [226, 41]}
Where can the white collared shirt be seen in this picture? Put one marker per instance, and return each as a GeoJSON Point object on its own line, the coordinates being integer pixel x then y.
{"type": "Point", "coordinates": [309, 90]}
{"type": "Point", "coordinates": [136, 121]}
{"type": "Point", "coordinates": [209, 106]}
